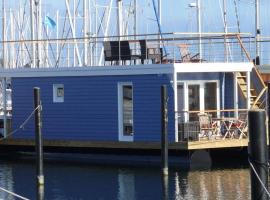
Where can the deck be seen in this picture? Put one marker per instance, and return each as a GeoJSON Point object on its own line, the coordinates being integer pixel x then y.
{"type": "Point", "coordinates": [188, 145]}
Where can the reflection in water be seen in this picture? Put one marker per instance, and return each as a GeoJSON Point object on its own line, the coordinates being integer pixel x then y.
{"type": "Point", "coordinates": [86, 181]}
{"type": "Point", "coordinates": [6, 181]}
{"type": "Point", "coordinates": [215, 184]}
{"type": "Point", "coordinates": [126, 184]}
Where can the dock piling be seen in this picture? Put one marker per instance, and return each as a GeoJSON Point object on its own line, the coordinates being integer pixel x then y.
{"type": "Point", "coordinates": [38, 137]}
{"type": "Point", "coordinates": [164, 129]}
{"type": "Point", "coordinates": [258, 154]}
{"type": "Point", "coordinates": [268, 114]}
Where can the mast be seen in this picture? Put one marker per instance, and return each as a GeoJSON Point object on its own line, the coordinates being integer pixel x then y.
{"type": "Point", "coordinates": [4, 80]}
{"type": "Point", "coordinates": [120, 18]}
{"type": "Point", "coordinates": [85, 30]}
{"type": "Point", "coordinates": [225, 30]}
{"type": "Point", "coordinates": [258, 31]}
{"type": "Point", "coordinates": [199, 27]}
{"type": "Point", "coordinates": [135, 19]}
{"type": "Point", "coordinates": [159, 12]}
{"type": "Point", "coordinates": [32, 21]}
{"type": "Point", "coordinates": [3, 34]}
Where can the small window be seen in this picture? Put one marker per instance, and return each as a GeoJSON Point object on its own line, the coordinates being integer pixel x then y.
{"type": "Point", "coordinates": [58, 93]}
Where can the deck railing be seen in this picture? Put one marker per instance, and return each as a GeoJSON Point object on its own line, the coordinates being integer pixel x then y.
{"type": "Point", "coordinates": [91, 50]}
{"type": "Point", "coordinates": [212, 125]}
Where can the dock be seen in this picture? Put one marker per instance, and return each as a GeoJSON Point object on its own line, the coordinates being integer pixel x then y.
{"type": "Point", "coordinates": [185, 146]}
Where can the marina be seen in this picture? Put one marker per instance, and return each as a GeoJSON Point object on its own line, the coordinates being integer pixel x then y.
{"type": "Point", "coordinates": [115, 96]}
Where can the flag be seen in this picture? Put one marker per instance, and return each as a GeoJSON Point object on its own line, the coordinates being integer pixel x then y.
{"type": "Point", "coordinates": [49, 22]}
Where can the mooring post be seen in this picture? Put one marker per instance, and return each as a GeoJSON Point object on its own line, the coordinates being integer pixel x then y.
{"type": "Point", "coordinates": [38, 137]}
{"type": "Point", "coordinates": [258, 154]}
{"type": "Point", "coordinates": [164, 129]}
{"type": "Point", "coordinates": [268, 114]}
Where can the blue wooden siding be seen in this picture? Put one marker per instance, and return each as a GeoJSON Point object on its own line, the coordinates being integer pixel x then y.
{"type": "Point", "coordinates": [229, 99]}
{"type": "Point", "coordinates": [90, 108]}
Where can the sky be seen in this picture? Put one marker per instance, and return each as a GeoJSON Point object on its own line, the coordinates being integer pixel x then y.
{"type": "Point", "coordinates": [177, 16]}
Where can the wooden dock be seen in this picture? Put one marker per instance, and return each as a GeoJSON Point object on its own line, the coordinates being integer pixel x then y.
{"type": "Point", "coordinates": [191, 145]}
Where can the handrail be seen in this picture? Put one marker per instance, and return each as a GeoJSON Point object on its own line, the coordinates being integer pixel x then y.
{"type": "Point", "coordinates": [212, 111]}
{"type": "Point", "coordinates": [249, 58]}
{"type": "Point", "coordinates": [259, 96]}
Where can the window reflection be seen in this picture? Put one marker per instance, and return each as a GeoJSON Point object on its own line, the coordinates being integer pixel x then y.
{"type": "Point", "coordinates": [127, 110]}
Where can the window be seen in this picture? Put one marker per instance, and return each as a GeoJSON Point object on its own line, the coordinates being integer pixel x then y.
{"type": "Point", "coordinates": [58, 93]}
{"type": "Point", "coordinates": [125, 111]}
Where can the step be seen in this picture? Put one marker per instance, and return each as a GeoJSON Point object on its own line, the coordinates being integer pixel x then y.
{"type": "Point", "coordinates": [241, 76]}
{"type": "Point", "coordinates": [245, 89]}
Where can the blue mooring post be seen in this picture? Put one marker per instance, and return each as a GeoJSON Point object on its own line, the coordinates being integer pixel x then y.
{"type": "Point", "coordinates": [258, 153]}
{"type": "Point", "coordinates": [38, 137]}
{"type": "Point", "coordinates": [164, 129]}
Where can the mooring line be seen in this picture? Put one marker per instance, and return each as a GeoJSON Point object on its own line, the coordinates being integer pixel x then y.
{"type": "Point", "coordinates": [254, 170]}
{"type": "Point", "coordinates": [14, 194]}
{"type": "Point", "coordinates": [22, 125]}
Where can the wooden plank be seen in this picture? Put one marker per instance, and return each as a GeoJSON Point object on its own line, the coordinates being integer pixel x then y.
{"type": "Point", "coordinates": [96, 144]}
{"type": "Point", "coordinates": [215, 144]}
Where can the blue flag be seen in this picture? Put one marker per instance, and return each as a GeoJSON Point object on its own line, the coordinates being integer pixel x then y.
{"type": "Point", "coordinates": [49, 22]}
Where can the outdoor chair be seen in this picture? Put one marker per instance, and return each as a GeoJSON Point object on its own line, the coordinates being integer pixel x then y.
{"type": "Point", "coordinates": [186, 55]}
{"type": "Point", "coordinates": [112, 50]}
{"type": "Point", "coordinates": [239, 127]}
{"type": "Point", "coordinates": [208, 128]}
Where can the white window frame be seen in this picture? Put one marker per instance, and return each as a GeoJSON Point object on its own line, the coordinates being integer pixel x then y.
{"type": "Point", "coordinates": [56, 97]}
{"type": "Point", "coordinates": [121, 136]}
{"type": "Point", "coordinates": [202, 90]}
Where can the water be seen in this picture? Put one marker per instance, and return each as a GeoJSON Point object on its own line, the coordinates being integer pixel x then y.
{"type": "Point", "coordinates": [69, 180]}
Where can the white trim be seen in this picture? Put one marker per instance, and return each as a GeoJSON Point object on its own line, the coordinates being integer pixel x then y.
{"type": "Point", "coordinates": [235, 96]}
{"type": "Point", "coordinates": [121, 136]}
{"type": "Point", "coordinates": [127, 69]}
{"type": "Point", "coordinates": [175, 105]}
{"type": "Point", "coordinates": [248, 90]}
{"type": "Point", "coordinates": [56, 97]}
{"type": "Point", "coordinates": [89, 71]}
{"type": "Point", "coordinates": [213, 67]}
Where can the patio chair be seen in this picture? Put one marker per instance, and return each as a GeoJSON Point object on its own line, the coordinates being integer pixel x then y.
{"type": "Point", "coordinates": [208, 128]}
{"type": "Point", "coordinates": [186, 55]}
{"type": "Point", "coordinates": [239, 128]}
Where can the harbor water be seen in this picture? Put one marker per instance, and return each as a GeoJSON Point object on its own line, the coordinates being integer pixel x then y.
{"type": "Point", "coordinates": [75, 180]}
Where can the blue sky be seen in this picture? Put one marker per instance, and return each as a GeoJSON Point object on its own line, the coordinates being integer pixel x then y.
{"type": "Point", "coordinates": [177, 16]}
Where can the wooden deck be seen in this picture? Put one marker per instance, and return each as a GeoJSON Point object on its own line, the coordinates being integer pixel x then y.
{"type": "Point", "coordinates": [192, 145]}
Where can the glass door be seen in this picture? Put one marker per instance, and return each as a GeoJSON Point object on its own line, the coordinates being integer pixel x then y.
{"type": "Point", "coordinates": [193, 101]}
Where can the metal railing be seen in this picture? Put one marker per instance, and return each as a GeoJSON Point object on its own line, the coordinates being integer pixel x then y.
{"type": "Point", "coordinates": [70, 52]}
{"type": "Point", "coordinates": [221, 124]}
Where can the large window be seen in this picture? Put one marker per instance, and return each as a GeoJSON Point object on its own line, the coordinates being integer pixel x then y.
{"type": "Point", "coordinates": [197, 96]}
{"type": "Point", "coordinates": [125, 111]}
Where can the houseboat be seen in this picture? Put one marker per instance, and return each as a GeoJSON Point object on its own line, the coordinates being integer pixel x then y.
{"type": "Point", "coordinates": [118, 104]}
{"type": "Point", "coordinates": [102, 91]}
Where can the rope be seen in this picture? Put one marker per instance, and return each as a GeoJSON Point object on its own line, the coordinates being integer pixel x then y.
{"type": "Point", "coordinates": [22, 125]}
{"type": "Point", "coordinates": [255, 172]}
{"type": "Point", "coordinates": [13, 194]}
{"type": "Point", "coordinates": [13, 132]}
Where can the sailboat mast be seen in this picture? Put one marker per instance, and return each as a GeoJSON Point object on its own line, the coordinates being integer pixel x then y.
{"type": "Point", "coordinates": [258, 31]}
{"type": "Point", "coordinates": [3, 34]}
{"type": "Point", "coordinates": [199, 27]}
{"type": "Point", "coordinates": [135, 19]}
{"type": "Point", "coordinates": [225, 29]}
{"type": "Point", "coordinates": [120, 18]}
